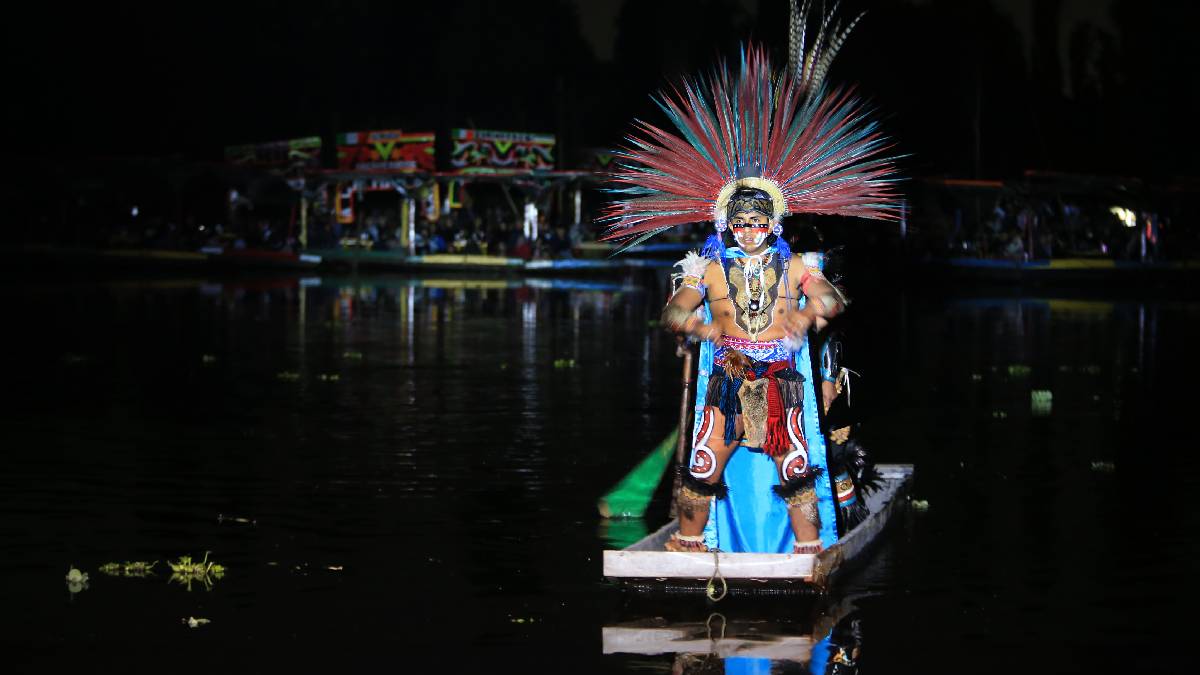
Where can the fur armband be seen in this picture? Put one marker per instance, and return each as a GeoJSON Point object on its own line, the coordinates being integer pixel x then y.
{"type": "Point", "coordinates": [810, 274]}
{"type": "Point", "coordinates": [675, 316]}
{"type": "Point", "coordinates": [691, 274]}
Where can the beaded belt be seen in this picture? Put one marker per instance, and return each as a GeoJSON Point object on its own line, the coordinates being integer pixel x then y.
{"type": "Point", "coordinates": [765, 352]}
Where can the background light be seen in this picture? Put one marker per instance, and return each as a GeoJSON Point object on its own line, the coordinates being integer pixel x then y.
{"type": "Point", "coordinates": [1124, 215]}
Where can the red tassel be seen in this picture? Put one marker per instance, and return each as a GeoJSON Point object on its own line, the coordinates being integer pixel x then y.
{"type": "Point", "coordinates": [777, 439]}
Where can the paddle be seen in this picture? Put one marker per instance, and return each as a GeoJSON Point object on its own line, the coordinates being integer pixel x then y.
{"type": "Point", "coordinates": [629, 498]}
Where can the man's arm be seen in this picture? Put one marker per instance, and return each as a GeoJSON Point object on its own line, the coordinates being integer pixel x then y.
{"type": "Point", "coordinates": [679, 314]}
{"type": "Point", "coordinates": [823, 302]}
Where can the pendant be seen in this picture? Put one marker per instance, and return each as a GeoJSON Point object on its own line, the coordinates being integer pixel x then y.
{"type": "Point", "coordinates": [753, 305]}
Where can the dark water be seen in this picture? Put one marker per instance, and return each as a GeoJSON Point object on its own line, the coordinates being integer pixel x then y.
{"type": "Point", "coordinates": [418, 464]}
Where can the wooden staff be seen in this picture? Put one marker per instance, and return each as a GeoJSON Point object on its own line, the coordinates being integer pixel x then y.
{"type": "Point", "coordinates": [685, 417]}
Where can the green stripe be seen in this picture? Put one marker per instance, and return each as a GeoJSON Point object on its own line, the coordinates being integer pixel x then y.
{"type": "Point", "coordinates": [631, 496]}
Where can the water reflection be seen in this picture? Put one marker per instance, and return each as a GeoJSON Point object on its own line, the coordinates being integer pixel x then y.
{"type": "Point", "coordinates": [442, 444]}
{"type": "Point", "coordinates": [822, 638]}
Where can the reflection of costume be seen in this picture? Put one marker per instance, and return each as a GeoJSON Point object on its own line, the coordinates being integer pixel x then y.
{"type": "Point", "coordinates": [775, 143]}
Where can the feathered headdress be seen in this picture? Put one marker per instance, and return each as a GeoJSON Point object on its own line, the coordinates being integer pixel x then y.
{"type": "Point", "coordinates": [812, 149]}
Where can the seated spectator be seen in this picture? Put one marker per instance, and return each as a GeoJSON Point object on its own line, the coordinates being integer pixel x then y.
{"type": "Point", "coordinates": [522, 250]}
{"type": "Point", "coordinates": [437, 243]}
{"type": "Point", "coordinates": [560, 245]}
{"type": "Point", "coordinates": [474, 245]}
{"type": "Point", "coordinates": [1015, 248]}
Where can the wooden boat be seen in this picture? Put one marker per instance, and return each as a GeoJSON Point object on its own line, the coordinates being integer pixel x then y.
{"type": "Point", "coordinates": [646, 566]}
{"type": "Point", "coordinates": [250, 258]}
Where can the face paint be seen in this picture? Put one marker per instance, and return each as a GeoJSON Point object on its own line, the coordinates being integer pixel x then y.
{"type": "Point", "coordinates": [750, 237]}
{"type": "Point", "coordinates": [750, 229]}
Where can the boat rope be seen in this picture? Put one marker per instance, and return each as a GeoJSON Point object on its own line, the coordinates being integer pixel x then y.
{"type": "Point", "coordinates": [711, 589]}
{"type": "Point", "coordinates": [708, 625]}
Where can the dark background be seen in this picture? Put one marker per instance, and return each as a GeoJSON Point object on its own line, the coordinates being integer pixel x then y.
{"type": "Point", "coordinates": [972, 88]}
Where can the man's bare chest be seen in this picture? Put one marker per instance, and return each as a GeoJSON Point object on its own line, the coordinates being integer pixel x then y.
{"type": "Point", "coordinates": [753, 297]}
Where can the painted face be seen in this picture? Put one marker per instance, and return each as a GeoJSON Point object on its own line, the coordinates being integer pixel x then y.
{"type": "Point", "coordinates": [750, 229]}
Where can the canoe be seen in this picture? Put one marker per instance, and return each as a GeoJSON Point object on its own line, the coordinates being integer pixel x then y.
{"type": "Point", "coordinates": [645, 566]}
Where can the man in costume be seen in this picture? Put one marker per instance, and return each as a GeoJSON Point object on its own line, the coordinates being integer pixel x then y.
{"type": "Point", "coordinates": [753, 147]}
{"type": "Point", "coordinates": [755, 395]}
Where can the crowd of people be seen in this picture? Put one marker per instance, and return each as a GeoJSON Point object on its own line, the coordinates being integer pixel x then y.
{"type": "Point", "coordinates": [1025, 229]}
{"type": "Point", "coordinates": [465, 231]}
{"type": "Point", "coordinates": [939, 224]}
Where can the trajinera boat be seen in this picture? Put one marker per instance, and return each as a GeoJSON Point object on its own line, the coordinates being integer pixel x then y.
{"type": "Point", "coordinates": [748, 532]}
{"type": "Point", "coordinates": [646, 566]}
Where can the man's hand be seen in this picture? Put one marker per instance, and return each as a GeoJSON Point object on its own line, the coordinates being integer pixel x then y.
{"type": "Point", "coordinates": [679, 320]}
{"type": "Point", "coordinates": [828, 393]}
{"type": "Point", "coordinates": [796, 324]}
{"type": "Point", "coordinates": [702, 331]}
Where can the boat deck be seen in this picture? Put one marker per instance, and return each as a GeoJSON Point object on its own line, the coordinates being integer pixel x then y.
{"type": "Point", "coordinates": [646, 565]}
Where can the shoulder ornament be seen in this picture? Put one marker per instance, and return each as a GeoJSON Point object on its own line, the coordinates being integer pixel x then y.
{"type": "Point", "coordinates": [691, 274]}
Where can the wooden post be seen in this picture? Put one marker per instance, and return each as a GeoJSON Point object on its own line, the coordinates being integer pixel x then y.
{"type": "Point", "coordinates": [405, 235]}
{"type": "Point", "coordinates": [685, 417]}
{"type": "Point", "coordinates": [303, 223]}
{"type": "Point", "coordinates": [511, 204]}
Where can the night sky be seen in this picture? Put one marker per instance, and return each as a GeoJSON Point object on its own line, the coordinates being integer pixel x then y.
{"type": "Point", "coordinates": [972, 88]}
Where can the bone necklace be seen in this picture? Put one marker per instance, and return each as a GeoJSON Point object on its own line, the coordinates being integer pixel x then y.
{"type": "Point", "coordinates": [755, 287]}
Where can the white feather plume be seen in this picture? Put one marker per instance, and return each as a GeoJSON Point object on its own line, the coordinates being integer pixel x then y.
{"type": "Point", "coordinates": [692, 265]}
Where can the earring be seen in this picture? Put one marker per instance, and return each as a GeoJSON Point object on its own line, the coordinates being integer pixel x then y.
{"type": "Point", "coordinates": [721, 224]}
{"type": "Point", "coordinates": [777, 228]}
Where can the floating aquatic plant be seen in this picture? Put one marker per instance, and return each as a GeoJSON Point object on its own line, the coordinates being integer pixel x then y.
{"type": "Point", "coordinates": [129, 569]}
{"type": "Point", "coordinates": [185, 572]}
{"type": "Point", "coordinates": [76, 581]}
{"type": "Point", "coordinates": [1019, 370]}
{"type": "Point", "coordinates": [1041, 402]}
